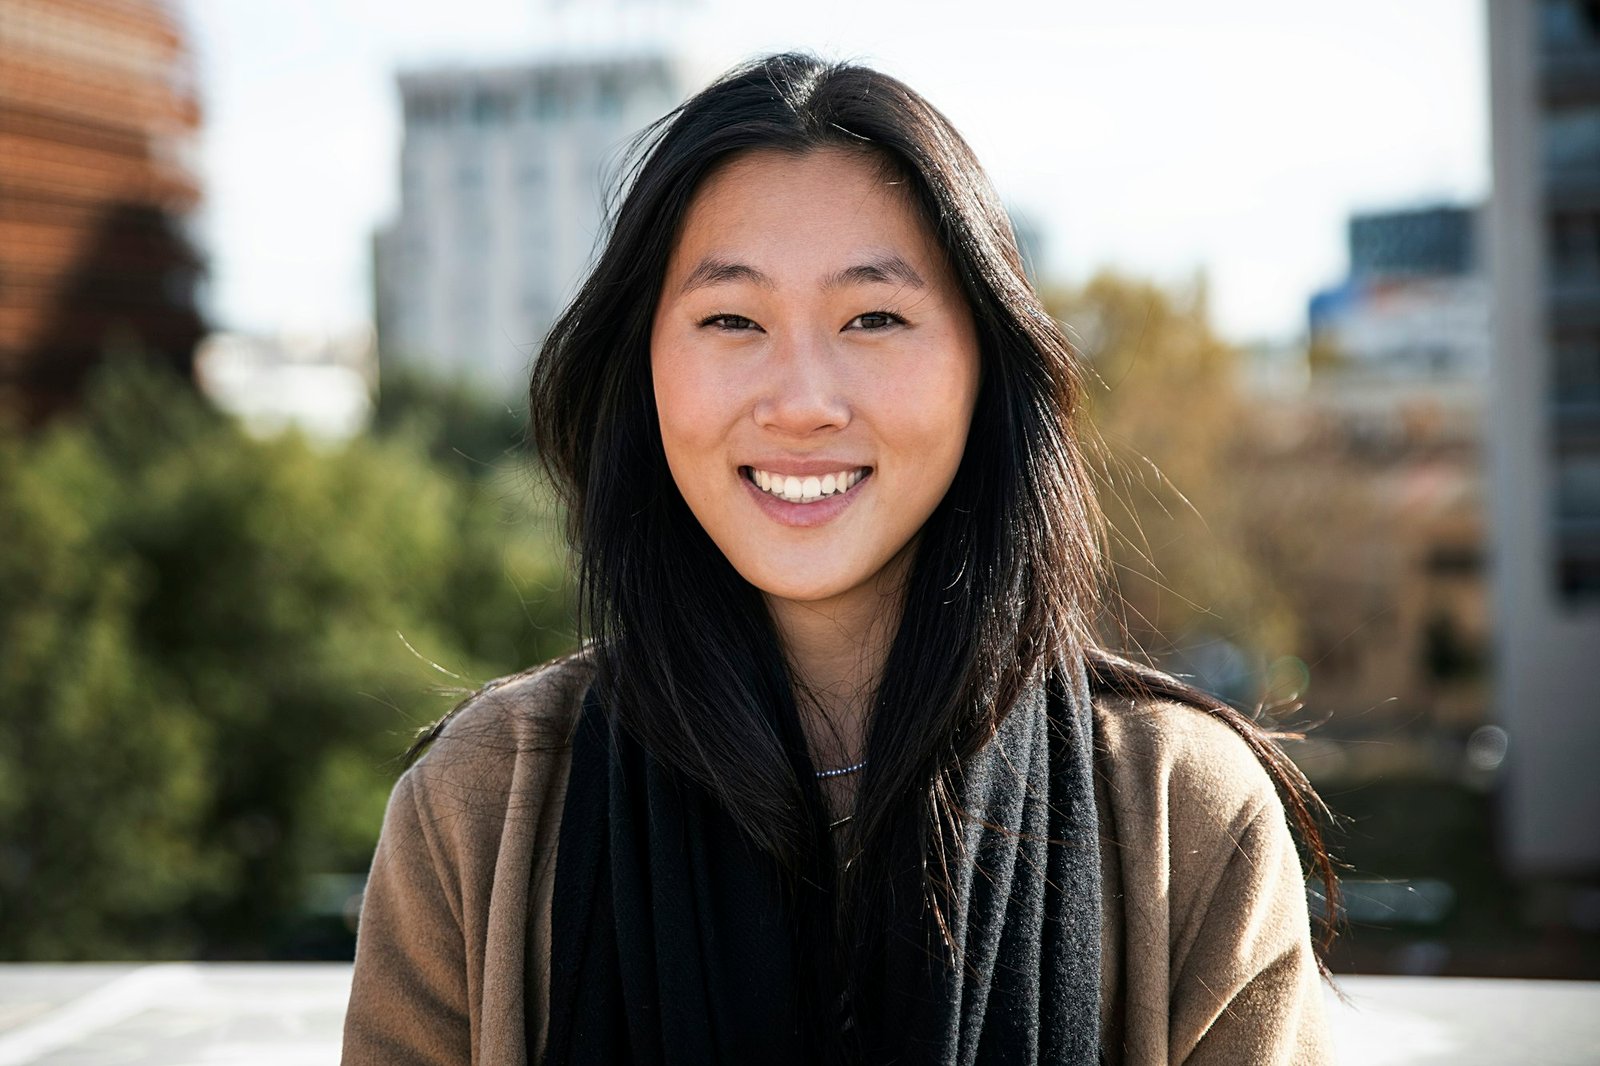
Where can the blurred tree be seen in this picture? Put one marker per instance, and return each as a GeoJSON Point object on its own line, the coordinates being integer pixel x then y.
{"type": "Point", "coordinates": [204, 666]}
{"type": "Point", "coordinates": [1306, 532]}
{"type": "Point", "coordinates": [1242, 535]}
{"type": "Point", "coordinates": [1162, 395]}
{"type": "Point", "coordinates": [458, 424]}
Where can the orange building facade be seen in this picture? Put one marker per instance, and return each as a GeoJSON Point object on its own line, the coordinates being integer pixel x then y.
{"type": "Point", "coordinates": [98, 118]}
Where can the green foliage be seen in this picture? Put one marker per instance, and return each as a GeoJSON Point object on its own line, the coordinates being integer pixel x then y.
{"type": "Point", "coordinates": [457, 423]}
{"type": "Point", "coordinates": [204, 673]}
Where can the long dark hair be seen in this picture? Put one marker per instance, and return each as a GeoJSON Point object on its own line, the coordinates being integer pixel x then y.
{"type": "Point", "coordinates": [1007, 577]}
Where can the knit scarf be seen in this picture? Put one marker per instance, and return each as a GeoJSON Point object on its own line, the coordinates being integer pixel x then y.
{"type": "Point", "coordinates": [673, 940]}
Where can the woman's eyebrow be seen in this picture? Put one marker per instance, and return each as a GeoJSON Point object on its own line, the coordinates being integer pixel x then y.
{"type": "Point", "coordinates": [887, 269]}
{"type": "Point", "coordinates": [714, 271]}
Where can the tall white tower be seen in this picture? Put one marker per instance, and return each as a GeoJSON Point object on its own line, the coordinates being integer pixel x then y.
{"type": "Point", "coordinates": [1544, 422]}
{"type": "Point", "coordinates": [502, 177]}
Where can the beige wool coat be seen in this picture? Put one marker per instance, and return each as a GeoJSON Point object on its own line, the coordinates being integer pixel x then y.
{"type": "Point", "coordinates": [1206, 955]}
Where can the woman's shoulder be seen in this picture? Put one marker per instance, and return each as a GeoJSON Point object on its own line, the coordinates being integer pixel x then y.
{"type": "Point", "coordinates": [449, 892]}
{"type": "Point", "coordinates": [1210, 956]}
{"type": "Point", "coordinates": [494, 734]}
{"type": "Point", "coordinates": [1179, 761]}
{"type": "Point", "coordinates": [541, 702]}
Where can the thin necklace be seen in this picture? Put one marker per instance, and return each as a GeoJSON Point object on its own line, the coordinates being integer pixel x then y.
{"type": "Point", "coordinates": [841, 771]}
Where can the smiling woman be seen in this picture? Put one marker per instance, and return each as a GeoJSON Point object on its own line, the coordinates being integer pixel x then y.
{"type": "Point", "coordinates": [815, 369]}
{"type": "Point", "coordinates": [841, 773]}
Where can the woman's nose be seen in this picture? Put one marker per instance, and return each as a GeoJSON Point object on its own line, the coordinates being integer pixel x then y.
{"type": "Point", "coordinates": [800, 390]}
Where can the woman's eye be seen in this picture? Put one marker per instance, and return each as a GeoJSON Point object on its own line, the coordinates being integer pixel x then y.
{"type": "Point", "coordinates": [729, 322]}
{"type": "Point", "coordinates": [875, 320]}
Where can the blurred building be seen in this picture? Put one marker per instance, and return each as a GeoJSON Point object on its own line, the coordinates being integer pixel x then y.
{"type": "Point", "coordinates": [1416, 303]}
{"type": "Point", "coordinates": [1426, 242]}
{"type": "Point", "coordinates": [98, 115]}
{"type": "Point", "coordinates": [320, 385]}
{"type": "Point", "coordinates": [1544, 426]}
{"type": "Point", "coordinates": [1371, 496]}
{"type": "Point", "coordinates": [502, 178]}
{"type": "Point", "coordinates": [1387, 419]}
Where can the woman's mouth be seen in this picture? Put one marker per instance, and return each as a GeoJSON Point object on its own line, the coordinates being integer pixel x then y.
{"type": "Point", "coordinates": [810, 489]}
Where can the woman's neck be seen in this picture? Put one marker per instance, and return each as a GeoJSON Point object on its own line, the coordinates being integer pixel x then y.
{"type": "Point", "coordinates": [836, 650]}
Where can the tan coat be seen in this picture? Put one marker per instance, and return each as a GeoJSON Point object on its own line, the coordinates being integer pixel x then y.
{"type": "Point", "coordinates": [1206, 956]}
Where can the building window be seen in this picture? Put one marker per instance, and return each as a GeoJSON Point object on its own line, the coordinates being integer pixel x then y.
{"type": "Point", "coordinates": [608, 98]}
{"type": "Point", "coordinates": [1578, 487]}
{"type": "Point", "coordinates": [1572, 141]}
{"type": "Point", "coordinates": [426, 110]}
{"type": "Point", "coordinates": [1566, 25]}
{"type": "Point", "coordinates": [548, 102]}
{"type": "Point", "coordinates": [1576, 377]}
{"type": "Point", "coordinates": [1574, 255]}
{"type": "Point", "coordinates": [1580, 575]}
{"type": "Point", "coordinates": [490, 108]}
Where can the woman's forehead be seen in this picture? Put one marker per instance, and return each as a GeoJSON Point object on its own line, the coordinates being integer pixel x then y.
{"type": "Point", "coordinates": [772, 210]}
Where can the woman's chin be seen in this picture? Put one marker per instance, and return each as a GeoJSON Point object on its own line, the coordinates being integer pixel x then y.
{"type": "Point", "coordinates": [818, 586]}
{"type": "Point", "coordinates": [803, 591]}
{"type": "Point", "coordinates": [835, 586]}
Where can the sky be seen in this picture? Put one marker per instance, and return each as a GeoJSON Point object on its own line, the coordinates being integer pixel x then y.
{"type": "Point", "coordinates": [1163, 138]}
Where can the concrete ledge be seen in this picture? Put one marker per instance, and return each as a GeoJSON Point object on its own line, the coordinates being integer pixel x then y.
{"type": "Point", "coordinates": [272, 1014]}
{"type": "Point", "coordinates": [1419, 1021]}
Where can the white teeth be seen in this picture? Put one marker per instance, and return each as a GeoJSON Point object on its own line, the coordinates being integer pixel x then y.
{"type": "Point", "coordinates": [808, 489]}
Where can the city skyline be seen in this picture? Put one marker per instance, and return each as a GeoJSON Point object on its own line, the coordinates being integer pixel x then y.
{"type": "Point", "coordinates": [1149, 138]}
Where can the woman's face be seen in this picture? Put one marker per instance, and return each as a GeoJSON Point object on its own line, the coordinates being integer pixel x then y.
{"type": "Point", "coordinates": [815, 367]}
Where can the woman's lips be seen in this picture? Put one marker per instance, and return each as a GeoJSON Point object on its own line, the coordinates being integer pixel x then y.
{"type": "Point", "coordinates": [805, 512]}
{"type": "Point", "coordinates": [808, 486]}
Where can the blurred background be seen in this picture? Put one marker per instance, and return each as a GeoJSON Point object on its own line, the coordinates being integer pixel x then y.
{"type": "Point", "coordinates": [272, 274]}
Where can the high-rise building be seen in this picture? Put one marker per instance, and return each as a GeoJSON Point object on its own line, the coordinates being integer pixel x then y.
{"type": "Point", "coordinates": [502, 179]}
{"type": "Point", "coordinates": [1424, 242]}
{"type": "Point", "coordinates": [1416, 303]}
{"type": "Point", "coordinates": [98, 114]}
{"type": "Point", "coordinates": [1544, 425]}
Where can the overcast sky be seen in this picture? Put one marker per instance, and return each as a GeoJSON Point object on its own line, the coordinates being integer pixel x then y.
{"type": "Point", "coordinates": [1158, 136]}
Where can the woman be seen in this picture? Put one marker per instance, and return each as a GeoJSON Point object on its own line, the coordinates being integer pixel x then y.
{"type": "Point", "coordinates": [840, 774]}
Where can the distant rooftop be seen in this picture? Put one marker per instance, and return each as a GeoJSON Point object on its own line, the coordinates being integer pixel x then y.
{"type": "Point", "coordinates": [1429, 241]}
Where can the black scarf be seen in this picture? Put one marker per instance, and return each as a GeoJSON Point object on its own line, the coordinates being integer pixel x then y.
{"type": "Point", "coordinates": [674, 942]}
